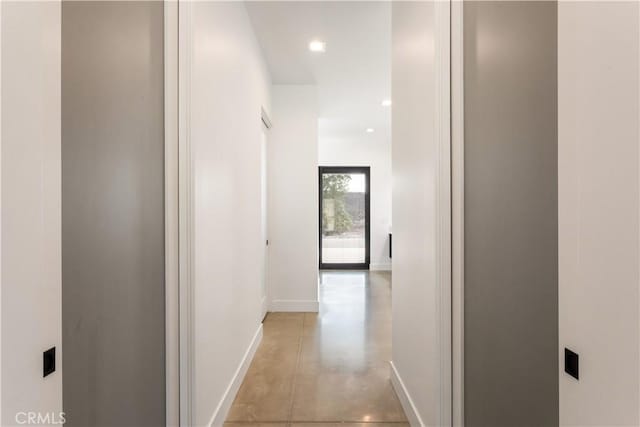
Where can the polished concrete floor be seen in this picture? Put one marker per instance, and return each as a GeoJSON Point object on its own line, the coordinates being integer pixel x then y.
{"type": "Point", "coordinates": [328, 368]}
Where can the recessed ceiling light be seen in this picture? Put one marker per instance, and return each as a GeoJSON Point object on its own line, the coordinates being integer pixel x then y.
{"type": "Point", "coordinates": [317, 46]}
{"type": "Point", "coordinates": [386, 103]}
{"type": "Point", "coordinates": [369, 130]}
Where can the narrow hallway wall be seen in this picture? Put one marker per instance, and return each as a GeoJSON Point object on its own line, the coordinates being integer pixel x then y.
{"type": "Point", "coordinates": [511, 214]}
{"type": "Point", "coordinates": [414, 159]}
{"type": "Point", "coordinates": [293, 199]}
{"type": "Point", "coordinates": [599, 195]}
{"type": "Point", "coordinates": [31, 279]}
{"type": "Point", "coordinates": [229, 86]}
{"type": "Point", "coordinates": [113, 213]}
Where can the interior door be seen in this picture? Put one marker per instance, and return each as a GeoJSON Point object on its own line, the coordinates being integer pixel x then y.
{"type": "Point", "coordinates": [344, 217]}
{"type": "Point", "coordinates": [264, 219]}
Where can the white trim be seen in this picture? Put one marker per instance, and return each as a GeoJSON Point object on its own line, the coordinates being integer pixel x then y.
{"type": "Point", "coordinates": [221, 412]}
{"type": "Point", "coordinates": [1, 212]}
{"type": "Point", "coordinates": [443, 205]}
{"type": "Point", "coordinates": [172, 296]}
{"type": "Point", "coordinates": [380, 267]}
{"type": "Point", "coordinates": [185, 215]}
{"type": "Point", "coordinates": [297, 306]}
{"type": "Point", "coordinates": [457, 207]}
{"type": "Point", "coordinates": [410, 409]}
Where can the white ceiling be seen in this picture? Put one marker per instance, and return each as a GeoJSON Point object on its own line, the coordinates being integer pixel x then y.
{"type": "Point", "coordinates": [353, 76]}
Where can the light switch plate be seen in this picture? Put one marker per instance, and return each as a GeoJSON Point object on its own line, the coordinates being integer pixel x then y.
{"type": "Point", "coordinates": [571, 363]}
{"type": "Point", "coordinates": [49, 362]}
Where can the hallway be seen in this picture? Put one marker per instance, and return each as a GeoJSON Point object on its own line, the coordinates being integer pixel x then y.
{"type": "Point", "coordinates": [330, 367]}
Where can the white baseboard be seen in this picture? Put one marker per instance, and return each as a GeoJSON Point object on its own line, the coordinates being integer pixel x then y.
{"type": "Point", "coordinates": [380, 267]}
{"type": "Point", "coordinates": [306, 306]}
{"type": "Point", "coordinates": [405, 399]}
{"type": "Point", "coordinates": [221, 412]}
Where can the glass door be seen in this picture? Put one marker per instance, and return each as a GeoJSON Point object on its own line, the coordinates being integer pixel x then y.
{"type": "Point", "coordinates": [344, 217]}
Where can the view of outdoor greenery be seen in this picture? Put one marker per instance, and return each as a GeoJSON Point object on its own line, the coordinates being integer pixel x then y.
{"type": "Point", "coordinates": [335, 217]}
{"type": "Point", "coordinates": [343, 217]}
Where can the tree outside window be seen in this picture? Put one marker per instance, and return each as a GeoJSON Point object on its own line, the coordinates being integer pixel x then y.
{"type": "Point", "coordinates": [335, 217]}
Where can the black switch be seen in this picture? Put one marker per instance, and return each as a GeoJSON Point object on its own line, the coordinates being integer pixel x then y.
{"type": "Point", "coordinates": [571, 363]}
{"type": "Point", "coordinates": [48, 362]}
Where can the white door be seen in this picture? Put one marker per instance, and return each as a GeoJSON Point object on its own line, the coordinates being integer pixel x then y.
{"type": "Point", "coordinates": [264, 207]}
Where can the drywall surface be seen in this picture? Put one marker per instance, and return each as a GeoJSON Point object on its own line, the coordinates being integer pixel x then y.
{"type": "Point", "coordinates": [113, 213]}
{"type": "Point", "coordinates": [229, 86]}
{"type": "Point", "coordinates": [415, 352]}
{"type": "Point", "coordinates": [598, 137]}
{"type": "Point", "coordinates": [376, 153]}
{"type": "Point", "coordinates": [511, 214]}
{"type": "Point", "coordinates": [31, 277]}
{"type": "Point", "coordinates": [293, 199]}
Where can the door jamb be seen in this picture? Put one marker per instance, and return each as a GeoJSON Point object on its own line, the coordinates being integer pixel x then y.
{"type": "Point", "coordinates": [457, 211]}
{"type": "Point", "coordinates": [450, 209]}
{"type": "Point", "coordinates": [1, 214]}
{"type": "Point", "coordinates": [185, 215]}
{"type": "Point", "coordinates": [178, 215]}
{"type": "Point", "coordinates": [266, 300]}
{"type": "Point", "coordinates": [172, 300]}
{"type": "Point", "coordinates": [443, 207]}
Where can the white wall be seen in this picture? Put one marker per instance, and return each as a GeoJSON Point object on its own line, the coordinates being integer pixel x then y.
{"type": "Point", "coordinates": [376, 153]}
{"type": "Point", "coordinates": [293, 199]}
{"type": "Point", "coordinates": [229, 85]}
{"type": "Point", "coordinates": [599, 212]}
{"type": "Point", "coordinates": [415, 352]}
{"type": "Point", "coordinates": [31, 264]}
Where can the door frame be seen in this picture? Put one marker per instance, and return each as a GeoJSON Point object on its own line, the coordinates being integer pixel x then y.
{"type": "Point", "coordinates": [450, 211]}
{"type": "Point", "coordinates": [366, 170]}
{"type": "Point", "coordinates": [443, 207]}
{"type": "Point", "coordinates": [266, 127]}
{"type": "Point", "coordinates": [449, 55]}
{"type": "Point", "coordinates": [456, 54]}
{"type": "Point", "coordinates": [171, 219]}
{"type": "Point", "coordinates": [186, 217]}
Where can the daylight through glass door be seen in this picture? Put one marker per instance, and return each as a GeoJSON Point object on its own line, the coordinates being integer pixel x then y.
{"type": "Point", "coordinates": [344, 217]}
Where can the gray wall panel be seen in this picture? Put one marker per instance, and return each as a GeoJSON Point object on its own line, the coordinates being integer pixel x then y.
{"type": "Point", "coordinates": [113, 213]}
{"type": "Point", "coordinates": [511, 214]}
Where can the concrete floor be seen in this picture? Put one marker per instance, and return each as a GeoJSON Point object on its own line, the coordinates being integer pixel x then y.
{"type": "Point", "coordinates": [328, 368]}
